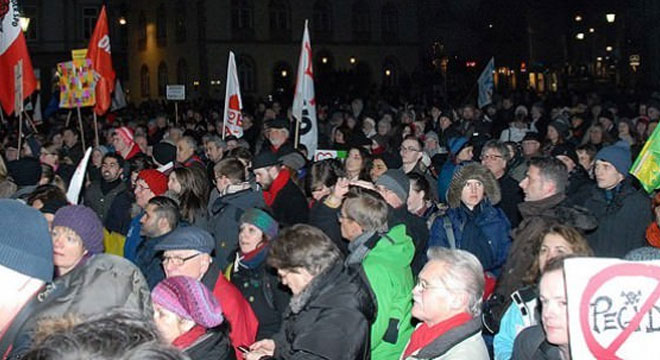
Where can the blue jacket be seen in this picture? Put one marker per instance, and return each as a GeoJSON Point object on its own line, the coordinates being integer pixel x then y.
{"type": "Point", "coordinates": [484, 232]}
{"type": "Point", "coordinates": [133, 238]}
{"type": "Point", "coordinates": [444, 179]}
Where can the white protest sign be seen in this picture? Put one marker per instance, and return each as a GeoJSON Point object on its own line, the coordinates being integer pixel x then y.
{"type": "Point", "coordinates": [613, 308]}
{"type": "Point", "coordinates": [175, 92]}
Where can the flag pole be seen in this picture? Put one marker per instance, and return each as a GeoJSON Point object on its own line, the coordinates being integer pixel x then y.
{"type": "Point", "coordinates": [96, 130]}
{"type": "Point", "coordinates": [31, 122]}
{"type": "Point", "coordinates": [68, 118]}
{"type": "Point", "coordinates": [20, 133]}
{"type": "Point", "coordinates": [2, 116]}
{"type": "Point", "coordinates": [82, 132]}
{"type": "Point", "coordinates": [176, 113]}
{"type": "Point", "coordinates": [297, 140]}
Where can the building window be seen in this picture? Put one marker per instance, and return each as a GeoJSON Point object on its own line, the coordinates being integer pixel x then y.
{"type": "Point", "coordinates": [182, 72]}
{"type": "Point", "coordinates": [144, 81]}
{"type": "Point", "coordinates": [247, 74]}
{"type": "Point", "coordinates": [161, 25]}
{"type": "Point", "coordinates": [242, 15]}
{"type": "Point", "coordinates": [389, 22]}
{"type": "Point", "coordinates": [89, 15]}
{"type": "Point", "coordinates": [322, 19]}
{"type": "Point", "coordinates": [142, 31]}
{"type": "Point", "coordinates": [180, 22]}
{"type": "Point", "coordinates": [279, 19]}
{"type": "Point", "coordinates": [361, 21]}
{"type": "Point", "coordinates": [162, 78]}
{"type": "Point", "coordinates": [33, 28]}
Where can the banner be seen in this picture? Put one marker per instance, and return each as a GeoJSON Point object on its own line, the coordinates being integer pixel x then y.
{"type": "Point", "coordinates": [76, 84]}
{"type": "Point", "coordinates": [304, 102]}
{"type": "Point", "coordinates": [330, 154]}
{"type": "Point", "coordinates": [232, 117]}
{"type": "Point", "coordinates": [99, 54]}
{"type": "Point", "coordinates": [486, 84]}
{"type": "Point", "coordinates": [12, 50]}
{"type": "Point", "coordinates": [613, 308]}
{"type": "Point", "coordinates": [646, 167]}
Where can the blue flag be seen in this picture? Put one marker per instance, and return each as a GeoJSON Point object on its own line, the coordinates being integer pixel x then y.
{"type": "Point", "coordinates": [486, 84]}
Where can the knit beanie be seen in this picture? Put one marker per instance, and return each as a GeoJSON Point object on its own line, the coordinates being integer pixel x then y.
{"type": "Point", "coordinates": [456, 145]}
{"type": "Point", "coordinates": [397, 181]}
{"type": "Point", "coordinates": [25, 171]}
{"type": "Point", "coordinates": [294, 160]}
{"type": "Point", "coordinates": [156, 180]}
{"type": "Point", "coordinates": [262, 220]}
{"type": "Point", "coordinates": [84, 222]}
{"type": "Point", "coordinates": [126, 135]}
{"type": "Point", "coordinates": [164, 153]}
{"type": "Point", "coordinates": [645, 253]}
{"type": "Point", "coordinates": [618, 155]}
{"type": "Point", "coordinates": [565, 150]}
{"type": "Point", "coordinates": [189, 299]}
{"type": "Point", "coordinates": [25, 242]}
{"type": "Point", "coordinates": [561, 127]}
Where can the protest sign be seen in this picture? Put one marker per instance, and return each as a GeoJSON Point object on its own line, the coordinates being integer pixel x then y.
{"type": "Point", "coordinates": [175, 92]}
{"type": "Point", "coordinates": [329, 154]}
{"type": "Point", "coordinates": [76, 84]}
{"type": "Point", "coordinates": [613, 308]}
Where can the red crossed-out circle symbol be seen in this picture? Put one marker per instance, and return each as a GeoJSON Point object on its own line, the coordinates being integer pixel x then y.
{"type": "Point", "coordinates": [596, 282]}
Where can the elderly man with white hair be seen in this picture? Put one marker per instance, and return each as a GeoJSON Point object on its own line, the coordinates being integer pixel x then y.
{"type": "Point", "coordinates": [447, 299]}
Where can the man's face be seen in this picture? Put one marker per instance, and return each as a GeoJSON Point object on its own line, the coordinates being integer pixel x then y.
{"type": "Point", "coordinates": [149, 222]}
{"type": "Point", "coordinates": [653, 113]}
{"type": "Point", "coordinates": [534, 186]}
{"type": "Point", "coordinates": [183, 151]}
{"type": "Point", "coordinates": [69, 138]}
{"type": "Point", "coordinates": [466, 154]}
{"type": "Point", "coordinates": [468, 113]}
{"type": "Point", "coordinates": [350, 229]}
{"type": "Point", "coordinates": [213, 151]}
{"type": "Point", "coordinates": [607, 176]}
{"type": "Point", "coordinates": [118, 143]}
{"type": "Point", "coordinates": [494, 161]}
{"type": "Point", "coordinates": [530, 147]}
{"type": "Point", "coordinates": [195, 267]}
{"type": "Point", "coordinates": [432, 301]}
{"type": "Point", "coordinates": [554, 311]}
{"type": "Point", "coordinates": [585, 159]}
{"type": "Point", "coordinates": [110, 170]}
{"type": "Point", "coordinates": [410, 152]}
{"type": "Point", "coordinates": [390, 196]}
{"type": "Point", "coordinates": [277, 137]}
{"type": "Point", "coordinates": [264, 176]}
{"type": "Point", "coordinates": [142, 193]}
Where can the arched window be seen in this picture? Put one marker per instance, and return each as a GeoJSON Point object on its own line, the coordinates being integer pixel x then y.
{"type": "Point", "coordinates": [280, 19]}
{"type": "Point", "coordinates": [161, 25]}
{"type": "Point", "coordinates": [162, 78]}
{"type": "Point", "coordinates": [180, 21]}
{"type": "Point", "coordinates": [247, 74]}
{"type": "Point", "coordinates": [144, 81]}
{"type": "Point", "coordinates": [242, 14]}
{"type": "Point", "coordinates": [322, 18]}
{"type": "Point", "coordinates": [182, 72]}
{"type": "Point", "coordinates": [389, 22]}
{"type": "Point", "coordinates": [142, 31]}
{"type": "Point", "coordinates": [361, 21]}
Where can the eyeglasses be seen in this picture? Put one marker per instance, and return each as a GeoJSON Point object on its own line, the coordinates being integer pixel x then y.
{"type": "Point", "coordinates": [424, 285]}
{"type": "Point", "coordinates": [178, 261]}
{"type": "Point", "coordinates": [409, 149]}
{"type": "Point", "coordinates": [490, 157]}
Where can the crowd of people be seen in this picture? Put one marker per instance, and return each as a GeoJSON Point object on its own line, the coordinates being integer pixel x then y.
{"type": "Point", "coordinates": [436, 233]}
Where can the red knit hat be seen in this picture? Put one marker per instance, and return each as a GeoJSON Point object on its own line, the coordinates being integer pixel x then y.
{"type": "Point", "coordinates": [156, 180]}
{"type": "Point", "coordinates": [126, 135]}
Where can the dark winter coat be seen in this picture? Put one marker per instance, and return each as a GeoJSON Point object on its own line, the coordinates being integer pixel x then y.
{"type": "Point", "coordinates": [100, 202]}
{"type": "Point", "coordinates": [531, 344]}
{"type": "Point", "coordinates": [224, 219]}
{"type": "Point", "coordinates": [214, 344]}
{"type": "Point", "coordinates": [512, 195]}
{"type": "Point", "coordinates": [579, 186]}
{"type": "Point", "coordinates": [290, 205]}
{"type": "Point", "coordinates": [622, 220]}
{"type": "Point", "coordinates": [329, 319]}
{"type": "Point", "coordinates": [325, 218]}
{"type": "Point", "coordinates": [149, 262]}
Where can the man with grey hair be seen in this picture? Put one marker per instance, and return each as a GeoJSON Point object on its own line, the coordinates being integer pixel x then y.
{"type": "Point", "coordinates": [494, 156]}
{"type": "Point", "coordinates": [214, 149]}
{"type": "Point", "coordinates": [372, 248]}
{"type": "Point", "coordinates": [447, 299]}
{"type": "Point", "coordinates": [185, 152]}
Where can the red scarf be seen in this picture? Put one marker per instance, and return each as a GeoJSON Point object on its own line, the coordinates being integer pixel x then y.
{"type": "Point", "coordinates": [653, 234]}
{"type": "Point", "coordinates": [425, 335]}
{"type": "Point", "coordinates": [186, 339]}
{"type": "Point", "coordinates": [251, 254]}
{"type": "Point", "coordinates": [277, 185]}
{"type": "Point", "coordinates": [135, 150]}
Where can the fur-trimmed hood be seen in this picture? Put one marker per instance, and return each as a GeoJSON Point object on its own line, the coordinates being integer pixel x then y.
{"type": "Point", "coordinates": [474, 171]}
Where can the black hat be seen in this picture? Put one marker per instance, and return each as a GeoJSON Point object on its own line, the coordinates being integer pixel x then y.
{"type": "Point", "coordinates": [278, 123]}
{"type": "Point", "coordinates": [606, 114]}
{"type": "Point", "coordinates": [164, 153]}
{"type": "Point", "coordinates": [265, 159]}
{"type": "Point", "coordinates": [25, 171]}
{"type": "Point", "coordinates": [566, 150]}
{"type": "Point", "coordinates": [561, 127]}
{"type": "Point", "coordinates": [532, 136]}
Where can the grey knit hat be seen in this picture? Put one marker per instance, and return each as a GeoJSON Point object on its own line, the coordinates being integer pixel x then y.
{"type": "Point", "coordinates": [25, 242]}
{"type": "Point", "coordinates": [645, 253]}
{"type": "Point", "coordinates": [397, 181]}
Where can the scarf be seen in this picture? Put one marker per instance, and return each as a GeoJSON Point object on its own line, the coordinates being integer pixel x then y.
{"type": "Point", "coordinates": [188, 338]}
{"type": "Point", "coordinates": [252, 259]}
{"type": "Point", "coordinates": [424, 335]}
{"type": "Point", "coordinates": [653, 234]}
{"type": "Point", "coordinates": [357, 249]}
{"type": "Point", "coordinates": [278, 184]}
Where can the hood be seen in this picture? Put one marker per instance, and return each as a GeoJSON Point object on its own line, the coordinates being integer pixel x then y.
{"type": "Point", "coordinates": [244, 199]}
{"type": "Point", "coordinates": [395, 249]}
{"type": "Point", "coordinates": [473, 171]}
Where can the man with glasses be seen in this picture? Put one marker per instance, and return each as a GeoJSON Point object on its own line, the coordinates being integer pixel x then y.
{"type": "Point", "coordinates": [494, 155]}
{"type": "Point", "coordinates": [161, 216]}
{"type": "Point", "coordinates": [447, 299]}
{"type": "Point", "coordinates": [187, 252]}
{"type": "Point", "coordinates": [412, 154]}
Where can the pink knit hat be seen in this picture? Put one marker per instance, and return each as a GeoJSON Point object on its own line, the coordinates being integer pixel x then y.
{"type": "Point", "coordinates": [189, 299]}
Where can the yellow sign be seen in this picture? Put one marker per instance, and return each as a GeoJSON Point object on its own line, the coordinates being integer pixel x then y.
{"type": "Point", "coordinates": [78, 54]}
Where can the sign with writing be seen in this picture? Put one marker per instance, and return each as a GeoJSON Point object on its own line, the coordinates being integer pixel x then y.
{"type": "Point", "coordinates": [175, 92]}
{"type": "Point", "coordinates": [330, 154]}
{"type": "Point", "coordinates": [18, 87]}
{"type": "Point", "coordinates": [78, 54]}
{"type": "Point", "coordinates": [613, 308]}
{"type": "Point", "coordinates": [77, 84]}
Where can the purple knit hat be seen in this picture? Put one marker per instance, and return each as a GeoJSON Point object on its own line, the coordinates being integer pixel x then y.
{"type": "Point", "coordinates": [84, 222]}
{"type": "Point", "coordinates": [189, 299]}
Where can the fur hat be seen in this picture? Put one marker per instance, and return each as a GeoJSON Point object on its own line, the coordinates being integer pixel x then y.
{"type": "Point", "coordinates": [473, 171]}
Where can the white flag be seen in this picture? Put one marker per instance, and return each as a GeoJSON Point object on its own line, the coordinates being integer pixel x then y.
{"type": "Point", "coordinates": [486, 84]}
{"type": "Point", "coordinates": [232, 117]}
{"type": "Point", "coordinates": [78, 179]}
{"type": "Point", "coordinates": [119, 98]}
{"type": "Point", "coordinates": [304, 102]}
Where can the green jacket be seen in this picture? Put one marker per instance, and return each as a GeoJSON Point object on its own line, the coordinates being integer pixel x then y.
{"type": "Point", "coordinates": [387, 268]}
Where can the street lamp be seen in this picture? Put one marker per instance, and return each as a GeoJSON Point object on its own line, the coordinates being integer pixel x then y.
{"type": "Point", "coordinates": [608, 48]}
{"type": "Point", "coordinates": [388, 72]}
{"type": "Point", "coordinates": [122, 21]}
{"type": "Point", "coordinates": [591, 30]}
{"type": "Point", "coordinates": [610, 17]}
{"type": "Point", "coordinates": [24, 22]}
{"type": "Point", "coordinates": [579, 36]}
{"type": "Point", "coordinates": [352, 60]}
{"type": "Point", "coordinates": [578, 18]}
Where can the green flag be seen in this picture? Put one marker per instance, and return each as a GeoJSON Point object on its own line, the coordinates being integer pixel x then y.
{"type": "Point", "coordinates": [647, 166]}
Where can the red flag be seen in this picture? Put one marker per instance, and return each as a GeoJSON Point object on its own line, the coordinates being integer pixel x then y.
{"type": "Point", "coordinates": [12, 50]}
{"type": "Point", "coordinates": [99, 52]}
{"type": "Point", "coordinates": [232, 117]}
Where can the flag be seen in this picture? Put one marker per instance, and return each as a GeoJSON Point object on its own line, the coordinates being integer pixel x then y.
{"type": "Point", "coordinates": [646, 167]}
{"type": "Point", "coordinates": [486, 84]}
{"type": "Point", "coordinates": [232, 117]}
{"type": "Point", "coordinates": [119, 98]}
{"type": "Point", "coordinates": [78, 179]}
{"type": "Point", "coordinates": [304, 102]}
{"type": "Point", "coordinates": [99, 52]}
{"type": "Point", "coordinates": [12, 50]}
